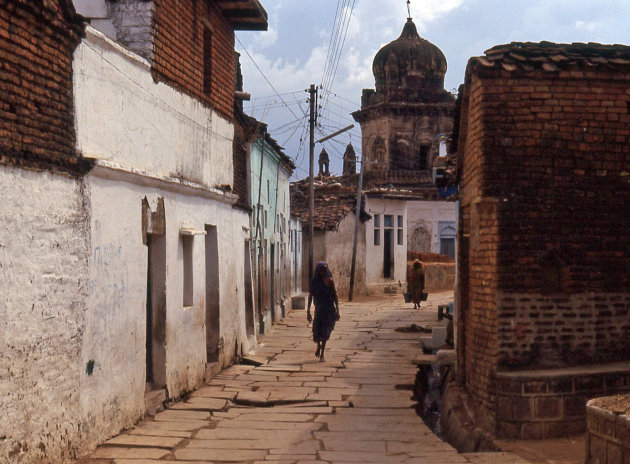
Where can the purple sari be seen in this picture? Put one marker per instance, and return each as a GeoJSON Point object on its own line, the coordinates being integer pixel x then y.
{"type": "Point", "coordinates": [324, 297]}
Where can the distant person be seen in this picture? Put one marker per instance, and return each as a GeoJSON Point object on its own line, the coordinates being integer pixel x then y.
{"type": "Point", "coordinates": [415, 282]}
{"type": "Point", "coordinates": [326, 307]}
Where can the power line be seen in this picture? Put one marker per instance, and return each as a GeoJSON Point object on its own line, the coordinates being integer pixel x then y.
{"type": "Point", "coordinates": [340, 49]}
{"type": "Point", "coordinates": [330, 43]}
{"type": "Point", "coordinates": [265, 77]}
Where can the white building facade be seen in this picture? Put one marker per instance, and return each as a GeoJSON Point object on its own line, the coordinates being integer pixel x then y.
{"type": "Point", "coordinates": [167, 261]}
{"type": "Point", "coordinates": [385, 242]}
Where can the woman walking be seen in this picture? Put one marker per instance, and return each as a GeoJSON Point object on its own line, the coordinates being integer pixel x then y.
{"type": "Point", "coordinates": [323, 292]}
{"type": "Point", "coordinates": [415, 283]}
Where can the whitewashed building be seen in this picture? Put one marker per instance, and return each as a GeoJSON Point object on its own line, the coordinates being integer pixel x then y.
{"type": "Point", "coordinates": [124, 242]}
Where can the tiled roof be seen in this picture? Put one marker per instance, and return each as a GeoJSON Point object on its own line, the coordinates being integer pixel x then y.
{"type": "Point", "coordinates": [401, 179]}
{"type": "Point", "coordinates": [551, 57]}
{"type": "Point", "coordinates": [332, 204]}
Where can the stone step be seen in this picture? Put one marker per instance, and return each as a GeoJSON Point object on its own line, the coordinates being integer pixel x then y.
{"type": "Point", "coordinates": [154, 401]}
{"type": "Point", "coordinates": [212, 369]}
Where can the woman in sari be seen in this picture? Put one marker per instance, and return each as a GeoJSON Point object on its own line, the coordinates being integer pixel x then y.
{"type": "Point", "coordinates": [415, 283]}
{"type": "Point", "coordinates": [323, 293]}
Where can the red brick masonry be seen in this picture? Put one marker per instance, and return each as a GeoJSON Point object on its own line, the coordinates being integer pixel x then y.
{"type": "Point", "coordinates": [544, 242]}
{"type": "Point", "coordinates": [36, 103]}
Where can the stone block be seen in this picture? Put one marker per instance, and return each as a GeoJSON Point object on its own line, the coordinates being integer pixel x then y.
{"type": "Point", "coordinates": [533, 431]}
{"type": "Point", "coordinates": [614, 453]}
{"type": "Point", "coordinates": [602, 422]}
{"type": "Point", "coordinates": [595, 449]}
{"type": "Point", "coordinates": [510, 386]}
{"type": "Point", "coordinates": [508, 429]}
{"type": "Point", "coordinates": [533, 387]}
{"type": "Point", "coordinates": [589, 384]}
{"type": "Point", "coordinates": [548, 407]}
{"type": "Point", "coordinates": [557, 429]}
{"type": "Point", "coordinates": [562, 385]}
{"type": "Point", "coordinates": [622, 431]}
{"type": "Point", "coordinates": [574, 406]}
{"type": "Point", "coordinates": [523, 409]}
{"type": "Point", "coordinates": [505, 408]}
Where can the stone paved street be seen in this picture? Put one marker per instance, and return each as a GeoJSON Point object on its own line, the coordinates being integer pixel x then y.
{"type": "Point", "coordinates": [355, 407]}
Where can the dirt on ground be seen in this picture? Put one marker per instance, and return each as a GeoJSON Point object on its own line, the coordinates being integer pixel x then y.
{"type": "Point", "coordinates": [570, 450]}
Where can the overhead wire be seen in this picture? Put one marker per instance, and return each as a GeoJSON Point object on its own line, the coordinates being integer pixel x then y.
{"type": "Point", "coordinates": [334, 34]}
{"type": "Point", "coordinates": [265, 77]}
{"type": "Point", "coordinates": [345, 23]}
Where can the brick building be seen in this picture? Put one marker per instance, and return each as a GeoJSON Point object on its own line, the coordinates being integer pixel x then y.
{"type": "Point", "coordinates": [41, 272]}
{"type": "Point", "coordinates": [122, 249]}
{"type": "Point", "coordinates": [544, 239]}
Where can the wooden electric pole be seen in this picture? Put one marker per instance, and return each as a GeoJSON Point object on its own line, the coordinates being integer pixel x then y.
{"type": "Point", "coordinates": [311, 200]}
{"type": "Point", "coordinates": [356, 232]}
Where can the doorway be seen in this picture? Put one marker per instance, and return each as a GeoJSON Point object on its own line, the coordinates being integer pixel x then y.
{"type": "Point", "coordinates": [388, 253]}
{"type": "Point", "coordinates": [247, 282]}
{"type": "Point", "coordinates": [156, 312]}
{"type": "Point", "coordinates": [272, 281]}
{"type": "Point", "coordinates": [213, 308]}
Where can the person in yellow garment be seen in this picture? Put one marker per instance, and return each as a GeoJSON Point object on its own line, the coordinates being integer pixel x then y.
{"type": "Point", "coordinates": [415, 282]}
{"type": "Point", "coordinates": [323, 293]}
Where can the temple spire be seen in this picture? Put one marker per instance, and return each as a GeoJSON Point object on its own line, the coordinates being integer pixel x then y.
{"type": "Point", "coordinates": [409, 9]}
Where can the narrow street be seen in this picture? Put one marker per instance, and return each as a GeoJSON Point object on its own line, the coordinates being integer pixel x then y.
{"type": "Point", "coordinates": [354, 407]}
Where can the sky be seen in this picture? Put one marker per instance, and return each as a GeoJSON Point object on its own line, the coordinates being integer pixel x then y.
{"type": "Point", "coordinates": [331, 43]}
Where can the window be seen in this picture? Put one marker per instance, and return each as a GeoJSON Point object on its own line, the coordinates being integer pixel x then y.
{"type": "Point", "coordinates": [207, 61]}
{"type": "Point", "coordinates": [377, 221]}
{"type": "Point", "coordinates": [447, 247]}
{"type": "Point", "coordinates": [377, 237]}
{"type": "Point", "coordinates": [424, 157]}
{"type": "Point", "coordinates": [400, 221]}
{"type": "Point", "coordinates": [399, 232]}
{"type": "Point", "coordinates": [389, 220]}
{"type": "Point", "coordinates": [187, 243]}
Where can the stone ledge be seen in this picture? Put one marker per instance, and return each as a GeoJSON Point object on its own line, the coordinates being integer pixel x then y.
{"type": "Point", "coordinates": [551, 403]}
{"type": "Point", "coordinates": [608, 368]}
{"type": "Point", "coordinates": [608, 431]}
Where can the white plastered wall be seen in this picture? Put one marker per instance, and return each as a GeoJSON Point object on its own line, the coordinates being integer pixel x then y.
{"type": "Point", "coordinates": [43, 289]}
{"type": "Point", "coordinates": [113, 395]}
{"type": "Point", "coordinates": [428, 214]}
{"type": "Point", "coordinates": [339, 256]}
{"type": "Point", "coordinates": [150, 140]}
{"type": "Point", "coordinates": [375, 253]}
{"type": "Point", "coordinates": [124, 117]}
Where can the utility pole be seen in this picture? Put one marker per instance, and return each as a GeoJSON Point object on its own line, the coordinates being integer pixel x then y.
{"type": "Point", "coordinates": [312, 98]}
{"type": "Point", "coordinates": [356, 231]}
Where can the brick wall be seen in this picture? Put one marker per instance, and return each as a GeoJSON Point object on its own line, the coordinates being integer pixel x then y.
{"type": "Point", "coordinates": [179, 51]}
{"type": "Point", "coordinates": [477, 262]}
{"type": "Point", "coordinates": [37, 40]}
{"type": "Point", "coordinates": [240, 159]}
{"type": "Point", "coordinates": [544, 238]}
{"type": "Point", "coordinates": [537, 330]}
{"type": "Point", "coordinates": [555, 162]}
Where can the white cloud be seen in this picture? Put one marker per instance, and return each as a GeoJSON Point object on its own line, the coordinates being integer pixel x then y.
{"type": "Point", "coordinates": [589, 26]}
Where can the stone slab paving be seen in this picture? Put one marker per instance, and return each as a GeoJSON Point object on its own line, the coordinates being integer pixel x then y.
{"type": "Point", "coordinates": [356, 407]}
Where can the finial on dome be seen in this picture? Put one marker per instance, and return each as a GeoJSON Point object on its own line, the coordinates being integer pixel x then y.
{"type": "Point", "coordinates": [409, 9]}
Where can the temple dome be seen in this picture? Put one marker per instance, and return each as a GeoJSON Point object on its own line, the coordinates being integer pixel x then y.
{"type": "Point", "coordinates": [410, 67]}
